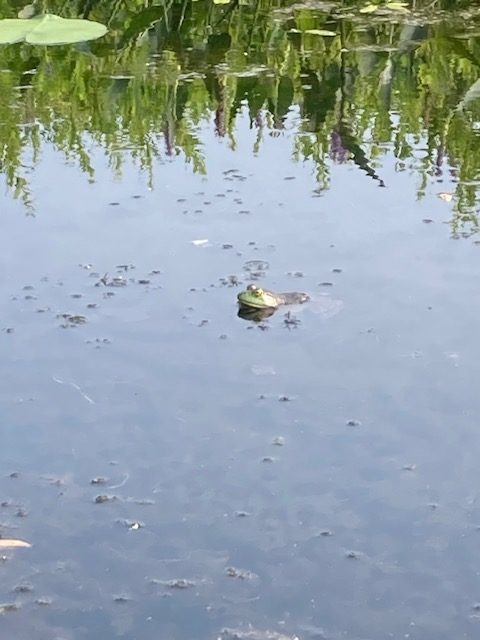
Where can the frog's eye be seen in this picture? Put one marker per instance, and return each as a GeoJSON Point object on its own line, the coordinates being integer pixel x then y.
{"type": "Point", "coordinates": [258, 292]}
{"type": "Point", "coordinates": [251, 287]}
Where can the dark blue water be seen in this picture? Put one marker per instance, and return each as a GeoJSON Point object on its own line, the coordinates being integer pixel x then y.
{"type": "Point", "coordinates": [368, 530]}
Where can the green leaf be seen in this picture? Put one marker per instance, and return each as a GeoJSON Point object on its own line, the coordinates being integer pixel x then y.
{"type": "Point", "coordinates": [321, 32]}
{"type": "Point", "coordinates": [16, 30]}
{"type": "Point", "coordinates": [396, 6]}
{"type": "Point", "coordinates": [221, 1]}
{"type": "Point", "coordinates": [55, 30]}
{"type": "Point", "coordinates": [370, 8]}
{"type": "Point", "coordinates": [389, 6]}
{"type": "Point", "coordinates": [49, 29]}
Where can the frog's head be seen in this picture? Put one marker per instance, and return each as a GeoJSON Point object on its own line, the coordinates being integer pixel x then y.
{"type": "Point", "coordinates": [257, 298]}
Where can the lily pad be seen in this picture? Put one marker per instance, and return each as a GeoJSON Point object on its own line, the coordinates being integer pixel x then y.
{"type": "Point", "coordinates": [16, 30]}
{"type": "Point", "coordinates": [49, 29]}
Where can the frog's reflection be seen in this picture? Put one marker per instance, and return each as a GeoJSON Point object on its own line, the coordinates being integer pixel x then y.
{"type": "Point", "coordinates": [254, 315]}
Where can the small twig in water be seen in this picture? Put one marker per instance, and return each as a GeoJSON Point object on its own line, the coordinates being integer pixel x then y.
{"type": "Point", "coordinates": [121, 484]}
{"type": "Point", "coordinates": [75, 386]}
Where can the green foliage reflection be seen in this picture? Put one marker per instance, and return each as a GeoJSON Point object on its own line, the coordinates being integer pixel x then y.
{"type": "Point", "coordinates": [361, 84]}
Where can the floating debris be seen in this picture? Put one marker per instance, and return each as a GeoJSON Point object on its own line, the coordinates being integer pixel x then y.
{"type": "Point", "coordinates": [230, 281]}
{"type": "Point", "coordinates": [121, 599]}
{"type": "Point", "coordinates": [116, 281]}
{"type": "Point", "coordinates": [101, 499]}
{"type": "Point", "coordinates": [353, 423]}
{"type": "Point", "coordinates": [241, 574]}
{"type": "Point", "coordinates": [141, 501]}
{"type": "Point", "coordinates": [446, 197]}
{"type": "Point", "coordinates": [71, 320]}
{"type": "Point", "coordinates": [177, 583]}
{"type": "Point", "coordinates": [76, 387]}
{"type": "Point", "coordinates": [25, 587]}
{"type": "Point", "coordinates": [12, 543]}
{"type": "Point", "coordinates": [122, 482]}
{"type": "Point", "coordinates": [253, 634]}
{"type": "Point", "coordinates": [256, 268]}
{"type": "Point", "coordinates": [131, 525]}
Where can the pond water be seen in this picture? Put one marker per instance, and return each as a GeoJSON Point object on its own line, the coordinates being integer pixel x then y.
{"type": "Point", "coordinates": [177, 469]}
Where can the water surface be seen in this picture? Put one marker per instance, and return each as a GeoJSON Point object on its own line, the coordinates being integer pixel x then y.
{"type": "Point", "coordinates": [317, 479]}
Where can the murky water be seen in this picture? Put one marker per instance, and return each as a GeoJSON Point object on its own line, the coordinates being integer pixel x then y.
{"type": "Point", "coordinates": [179, 470]}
